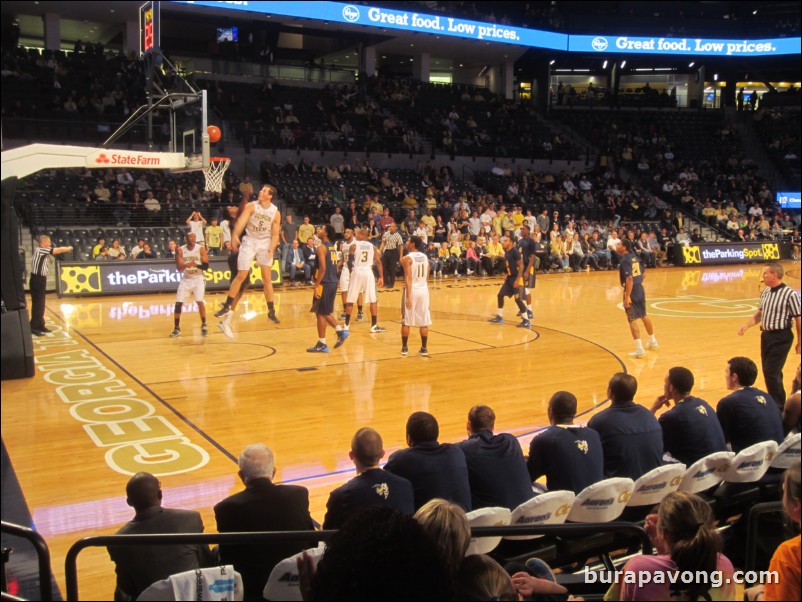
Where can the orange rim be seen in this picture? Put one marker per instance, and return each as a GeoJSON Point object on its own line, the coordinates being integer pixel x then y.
{"type": "Point", "coordinates": [219, 159]}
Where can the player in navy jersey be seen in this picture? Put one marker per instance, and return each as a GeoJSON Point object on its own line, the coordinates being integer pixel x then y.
{"type": "Point", "coordinates": [512, 283]}
{"type": "Point", "coordinates": [691, 429]}
{"type": "Point", "coordinates": [527, 248]}
{"type": "Point", "coordinates": [747, 415]}
{"type": "Point", "coordinates": [570, 456]}
{"type": "Point", "coordinates": [326, 284]}
{"type": "Point", "coordinates": [630, 272]}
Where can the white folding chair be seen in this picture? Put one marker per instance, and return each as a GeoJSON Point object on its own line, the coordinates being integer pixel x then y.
{"type": "Point", "coordinates": [750, 464]}
{"type": "Point", "coordinates": [215, 583]}
{"type": "Point", "coordinates": [706, 472]}
{"type": "Point", "coordinates": [656, 484]}
{"type": "Point", "coordinates": [549, 508]}
{"type": "Point", "coordinates": [487, 517]}
{"type": "Point", "coordinates": [284, 581]}
{"type": "Point", "coordinates": [601, 502]}
{"type": "Point", "coordinates": [788, 452]}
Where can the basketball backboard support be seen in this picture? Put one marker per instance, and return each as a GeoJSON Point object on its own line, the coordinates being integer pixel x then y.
{"type": "Point", "coordinates": [175, 112]}
{"type": "Point", "coordinates": [29, 159]}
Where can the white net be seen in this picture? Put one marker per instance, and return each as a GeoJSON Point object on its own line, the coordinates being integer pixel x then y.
{"type": "Point", "coordinates": [215, 172]}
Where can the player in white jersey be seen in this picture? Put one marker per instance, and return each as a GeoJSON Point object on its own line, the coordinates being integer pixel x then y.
{"type": "Point", "coordinates": [415, 298]}
{"type": "Point", "coordinates": [363, 281]}
{"type": "Point", "coordinates": [191, 259]}
{"type": "Point", "coordinates": [345, 270]}
{"type": "Point", "coordinates": [261, 221]}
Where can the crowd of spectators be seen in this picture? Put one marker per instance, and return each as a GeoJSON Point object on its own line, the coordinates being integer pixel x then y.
{"type": "Point", "coordinates": [388, 115]}
{"type": "Point", "coordinates": [779, 132]}
{"type": "Point", "coordinates": [694, 167]}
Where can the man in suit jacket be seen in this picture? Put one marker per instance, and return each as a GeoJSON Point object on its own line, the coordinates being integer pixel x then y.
{"type": "Point", "coordinates": [434, 469]}
{"type": "Point", "coordinates": [372, 486]}
{"type": "Point", "coordinates": [140, 566]}
{"type": "Point", "coordinates": [296, 260]}
{"type": "Point", "coordinates": [262, 506]}
{"type": "Point", "coordinates": [310, 257]}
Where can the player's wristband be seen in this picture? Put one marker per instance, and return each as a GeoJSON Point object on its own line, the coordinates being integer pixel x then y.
{"type": "Point", "coordinates": [204, 265]}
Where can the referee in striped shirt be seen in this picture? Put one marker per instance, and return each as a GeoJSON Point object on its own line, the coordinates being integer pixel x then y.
{"type": "Point", "coordinates": [391, 250]}
{"type": "Point", "coordinates": [779, 307]}
{"type": "Point", "coordinates": [38, 281]}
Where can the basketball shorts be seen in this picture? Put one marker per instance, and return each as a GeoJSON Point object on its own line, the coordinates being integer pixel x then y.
{"type": "Point", "coordinates": [507, 289]}
{"type": "Point", "coordinates": [362, 281]}
{"type": "Point", "coordinates": [191, 287]}
{"type": "Point", "coordinates": [419, 314]}
{"type": "Point", "coordinates": [637, 309]}
{"type": "Point", "coordinates": [327, 296]}
{"type": "Point", "coordinates": [254, 247]}
{"type": "Point", "coordinates": [345, 279]}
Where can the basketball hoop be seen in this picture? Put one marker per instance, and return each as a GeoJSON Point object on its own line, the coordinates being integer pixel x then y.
{"type": "Point", "coordinates": [215, 172]}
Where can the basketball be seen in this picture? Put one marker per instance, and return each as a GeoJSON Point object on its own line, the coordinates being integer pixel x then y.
{"type": "Point", "coordinates": [214, 133]}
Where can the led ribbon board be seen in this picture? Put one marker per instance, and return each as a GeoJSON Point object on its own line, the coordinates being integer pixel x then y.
{"type": "Point", "coordinates": [402, 20]}
{"type": "Point", "coordinates": [679, 46]}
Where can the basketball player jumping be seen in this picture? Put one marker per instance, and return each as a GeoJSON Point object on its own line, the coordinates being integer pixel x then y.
{"type": "Point", "coordinates": [261, 221]}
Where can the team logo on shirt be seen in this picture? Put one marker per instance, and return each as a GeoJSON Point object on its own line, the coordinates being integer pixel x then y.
{"type": "Point", "coordinates": [761, 400]}
{"type": "Point", "coordinates": [382, 490]}
{"type": "Point", "coordinates": [702, 410]}
{"type": "Point", "coordinates": [692, 255]}
{"type": "Point", "coordinates": [582, 446]}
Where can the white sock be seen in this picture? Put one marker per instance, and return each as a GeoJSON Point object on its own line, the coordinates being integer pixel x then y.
{"type": "Point", "coordinates": [500, 313]}
{"type": "Point", "coordinates": [529, 307]}
{"type": "Point", "coordinates": [639, 345]}
{"type": "Point", "coordinates": [322, 341]}
{"type": "Point", "coordinates": [653, 340]}
{"type": "Point", "coordinates": [338, 328]}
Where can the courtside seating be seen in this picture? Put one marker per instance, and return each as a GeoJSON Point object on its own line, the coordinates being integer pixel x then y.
{"type": "Point", "coordinates": [788, 452]}
{"type": "Point", "coordinates": [601, 502]}
{"type": "Point", "coordinates": [284, 581]}
{"type": "Point", "coordinates": [215, 583]}
{"type": "Point", "coordinates": [706, 473]}
{"type": "Point", "coordinates": [656, 484]}
{"type": "Point", "coordinates": [751, 463]}
{"type": "Point", "coordinates": [487, 517]}
{"type": "Point", "coordinates": [741, 488]}
{"type": "Point", "coordinates": [549, 508]}
{"type": "Point", "coordinates": [651, 488]}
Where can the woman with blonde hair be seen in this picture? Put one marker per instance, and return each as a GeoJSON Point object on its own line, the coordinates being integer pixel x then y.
{"type": "Point", "coordinates": [447, 525]}
{"type": "Point", "coordinates": [683, 534]}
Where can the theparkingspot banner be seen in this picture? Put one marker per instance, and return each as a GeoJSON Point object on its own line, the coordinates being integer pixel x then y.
{"type": "Point", "coordinates": [720, 253]}
{"type": "Point", "coordinates": [142, 276]}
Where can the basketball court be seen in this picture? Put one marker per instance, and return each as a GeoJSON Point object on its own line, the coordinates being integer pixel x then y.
{"type": "Point", "coordinates": [114, 394]}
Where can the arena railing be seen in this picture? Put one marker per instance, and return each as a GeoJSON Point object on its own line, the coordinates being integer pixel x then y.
{"type": "Point", "coordinates": [565, 530]}
{"type": "Point", "coordinates": [42, 555]}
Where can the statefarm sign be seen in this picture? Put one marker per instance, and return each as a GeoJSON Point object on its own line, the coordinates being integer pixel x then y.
{"type": "Point", "coordinates": [122, 158]}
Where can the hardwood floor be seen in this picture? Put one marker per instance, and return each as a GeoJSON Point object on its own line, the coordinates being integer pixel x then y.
{"type": "Point", "coordinates": [113, 394]}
